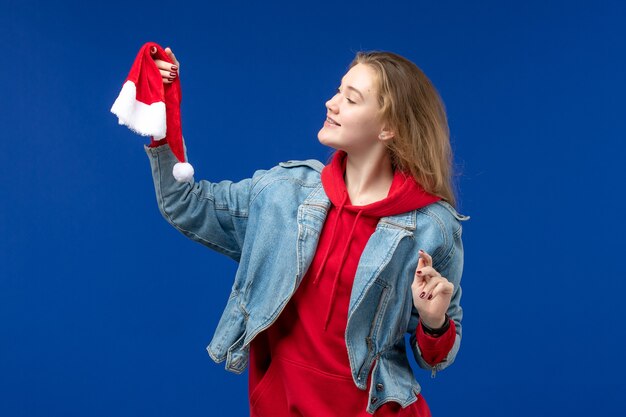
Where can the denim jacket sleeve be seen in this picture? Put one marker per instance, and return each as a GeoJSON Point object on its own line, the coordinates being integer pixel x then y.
{"type": "Point", "coordinates": [450, 266]}
{"type": "Point", "coordinates": [213, 214]}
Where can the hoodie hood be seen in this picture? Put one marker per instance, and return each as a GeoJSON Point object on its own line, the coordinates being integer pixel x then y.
{"type": "Point", "coordinates": [355, 224]}
{"type": "Point", "coordinates": [404, 195]}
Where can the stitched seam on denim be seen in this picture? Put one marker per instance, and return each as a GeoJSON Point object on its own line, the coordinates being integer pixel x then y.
{"type": "Point", "coordinates": [234, 213]}
{"type": "Point", "coordinates": [377, 323]}
{"type": "Point", "coordinates": [386, 399]}
{"type": "Point", "coordinates": [264, 325]}
{"type": "Point", "coordinates": [377, 272]}
{"type": "Point", "coordinates": [171, 220]}
{"type": "Point", "coordinates": [437, 257]}
{"type": "Point", "coordinates": [388, 348]}
{"type": "Point", "coordinates": [390, 225]}
{"type": "Point", "coordinates": [446, 259]}
{"type": "Point", "coordinates": [216, 359]}
{"type": "Point", "coordinates": [453, 211]}
{"type": "Point", "coordinates": [318, 214]}
{"type": "Point", "coordinates": [403, 403]}
{"type": "Point", "coordinates": [381, 266]}
{"type": "Point", "coordinates": [456, 235]}
{"type": "Point", "coordinates": [402, 225]}
{"type": "Point", "coordinates": [310, 163]}
{"type": "Point", "coordinates": [378, 315]}
{"type": "Point", "coordinates": [159, 149]}
{"type": "Point", "coordinates": [221, 207]}
{"type": "Point", "coordinates": [253, 196]}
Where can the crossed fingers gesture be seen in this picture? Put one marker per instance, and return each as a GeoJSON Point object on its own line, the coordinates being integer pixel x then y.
{"type": "Point", "coordinates": [431, 292]}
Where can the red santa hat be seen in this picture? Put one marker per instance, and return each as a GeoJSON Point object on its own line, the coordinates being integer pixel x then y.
{"type": "Point", "coordinates": [151, 108]}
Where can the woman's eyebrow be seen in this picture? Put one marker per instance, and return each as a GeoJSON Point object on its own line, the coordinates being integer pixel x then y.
{"type": "Point", "coordinates": [349, 87]}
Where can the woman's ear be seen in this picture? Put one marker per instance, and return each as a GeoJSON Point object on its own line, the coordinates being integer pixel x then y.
{"type": "Point", "coordinates": [386, 135]}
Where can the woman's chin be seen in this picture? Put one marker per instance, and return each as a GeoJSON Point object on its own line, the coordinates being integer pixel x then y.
{"type": "Point", "coordinates": [327, 140]}
{"type": "Point", "coordinates": [322, 138]}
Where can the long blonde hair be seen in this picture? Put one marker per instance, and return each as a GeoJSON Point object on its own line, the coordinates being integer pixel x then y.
{"type": "Point", "coordinates": [414, 111]}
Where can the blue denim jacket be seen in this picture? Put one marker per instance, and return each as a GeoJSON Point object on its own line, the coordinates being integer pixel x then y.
{"type": "Point", "coordinates": [270, 225]}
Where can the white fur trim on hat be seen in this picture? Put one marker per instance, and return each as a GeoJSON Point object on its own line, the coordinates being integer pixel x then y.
{"type": "Point", "coordinates": [144, 119]}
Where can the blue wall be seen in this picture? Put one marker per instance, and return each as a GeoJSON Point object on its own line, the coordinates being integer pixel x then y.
{"type": "Point", "coordinates": [95, 319]}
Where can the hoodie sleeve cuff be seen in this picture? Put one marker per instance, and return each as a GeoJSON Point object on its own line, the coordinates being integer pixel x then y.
{"type": "Point", "coordinates": [435, 349]}
{"type": "Point", "coordinates": [156, 143]}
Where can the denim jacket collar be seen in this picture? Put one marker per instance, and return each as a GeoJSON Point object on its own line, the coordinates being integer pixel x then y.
{"type": "Point", "coordinates": [319, 198]}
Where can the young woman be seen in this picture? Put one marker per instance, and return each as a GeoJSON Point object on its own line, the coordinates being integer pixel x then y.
{"type": "Point", "coordinates": [338, 262]}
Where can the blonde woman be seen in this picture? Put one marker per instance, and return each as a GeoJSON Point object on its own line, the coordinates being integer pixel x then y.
{"type": "Point", "coordinates": [337, 262]}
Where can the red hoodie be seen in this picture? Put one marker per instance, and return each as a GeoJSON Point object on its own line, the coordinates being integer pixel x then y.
{"type": "Point", "coordinates": [299, 366]}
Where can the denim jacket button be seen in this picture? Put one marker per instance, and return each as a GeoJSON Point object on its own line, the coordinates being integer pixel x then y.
{"type": "Point", "coordinates": [379, 387]}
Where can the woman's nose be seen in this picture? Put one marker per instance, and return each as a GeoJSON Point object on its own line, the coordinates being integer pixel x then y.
{"type": "Point", "coordinates": [332, 104]}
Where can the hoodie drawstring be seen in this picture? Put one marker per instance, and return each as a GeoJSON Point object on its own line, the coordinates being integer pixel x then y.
{"type": "Point", "coordinates": [331, 302]}
{"type": "Point", "coordinates": [332, 237]}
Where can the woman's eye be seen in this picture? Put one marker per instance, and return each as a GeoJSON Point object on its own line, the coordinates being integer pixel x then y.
{"type": "Point", "coordinates": [349, 101]}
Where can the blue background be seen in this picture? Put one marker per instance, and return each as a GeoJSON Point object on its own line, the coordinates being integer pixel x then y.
{"type": "Point", "coordinates": [105, 309]}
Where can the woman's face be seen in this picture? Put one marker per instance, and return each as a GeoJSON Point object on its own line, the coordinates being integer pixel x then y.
{"type": "Point", "coordinates": [353, 120]}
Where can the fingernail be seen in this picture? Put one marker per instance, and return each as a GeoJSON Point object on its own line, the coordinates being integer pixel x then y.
{"type": "Point", "coordinates": [421, 251]}
{"type": "Point", "coordinates": [419, 272]}
{"type": "Point", "coordinates": [170, 79]}
{"type": "Point", "coordinates": [173, 74]}
{"type": "Point", "coordinates": [174, 67]}
{"type": "Point", "coordinates": [430, 296]}
{"type": "Point", "coordinates": [422, 295]}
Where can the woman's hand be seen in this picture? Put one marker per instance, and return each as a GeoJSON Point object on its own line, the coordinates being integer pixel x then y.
{"type": "Point", "coordinates": [169, 72]}
{"type": "Point", "coordinates": [431, 292]}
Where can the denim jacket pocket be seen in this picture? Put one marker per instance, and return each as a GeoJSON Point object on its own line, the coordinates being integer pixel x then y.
{"type": "Point", "coordinates": [380, 308]}
{"type": "Point", "coordinates": [371, 316]}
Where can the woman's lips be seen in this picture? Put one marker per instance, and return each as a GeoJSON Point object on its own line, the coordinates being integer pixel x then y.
{"type": "Point", "coordinates": [331, 122]}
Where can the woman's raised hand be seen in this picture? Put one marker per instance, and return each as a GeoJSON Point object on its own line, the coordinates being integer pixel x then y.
{"type": "Point", "coordinates": [431, 292]}
{"type": "Point", "coordinates": [169, 72]}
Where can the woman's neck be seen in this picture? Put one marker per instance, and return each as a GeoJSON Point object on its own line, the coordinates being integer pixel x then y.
{"type": "Point", "coordinates": [368, 177]}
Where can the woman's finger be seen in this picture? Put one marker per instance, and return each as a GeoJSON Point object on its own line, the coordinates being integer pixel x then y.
{"type": "Point", "coordinates": [428, 261]}
{"type": "Point", "coordinates": [170, 53]}
{"type": "Point", "coordinates": [420, 263]}
{"type": "Point", "coordinates": [441, 288]}
{"type": "Point", "coordinates": [168, 74]}
{"type": "Point", "coordinates": [165, 66]}
{"type": "Point", "coordinates": [168, 71]}
{"type": "Point", "coordinates": [420, 266]}
{"type": "Point", "coordinates": [419, 280]}
{"type": "Point", "coordinates": [418, 284]}
{"type": "Point", "coordinates": [430, 286]}
{"type": "Point", "coordinates": [427, 271]}
{"type": "Point", "coordinates": [427, 292]}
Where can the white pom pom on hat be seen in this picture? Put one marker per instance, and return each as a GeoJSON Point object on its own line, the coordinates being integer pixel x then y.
{"type": "Point", "coordinates": [150, 108]}
{"type": "Point", "coordinates": [183, 171]}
